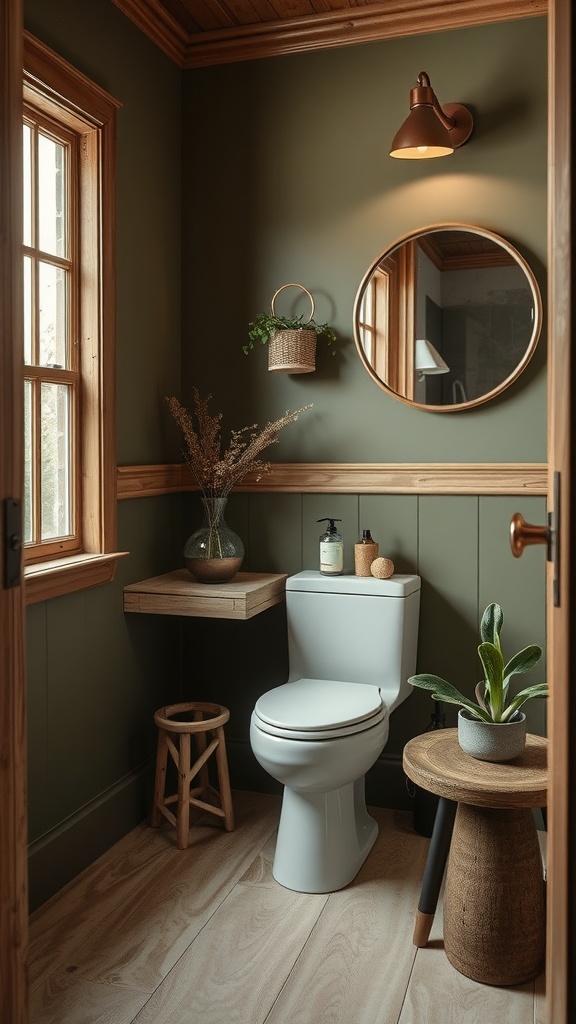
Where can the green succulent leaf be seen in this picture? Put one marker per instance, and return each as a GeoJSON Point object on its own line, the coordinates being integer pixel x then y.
{"type": "Point", "coordinates": [442, 690]}
{"type": "Point", "coordinates": [538, 690]}
{"type": "Point", "coordinates": [493, 663]}
{"type": "Point", "coordinates": [523, 661]}
{"type": "Point", "coordinates": [480, 693]}
{"type": "Point", "coordinates": [491, 625]}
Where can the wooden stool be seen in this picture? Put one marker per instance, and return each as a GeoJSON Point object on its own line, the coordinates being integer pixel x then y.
{"type": "Point", "coordinates": [494, 900]}
{"type": "Point", "coordinates": [174, 737]}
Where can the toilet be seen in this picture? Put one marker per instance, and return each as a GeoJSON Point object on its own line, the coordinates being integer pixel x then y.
{"type": "Point", "coordinates": [352, 646]}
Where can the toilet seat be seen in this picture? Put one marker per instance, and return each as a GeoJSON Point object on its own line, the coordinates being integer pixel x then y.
{"type": "Point", "coordinates": [319, 709]}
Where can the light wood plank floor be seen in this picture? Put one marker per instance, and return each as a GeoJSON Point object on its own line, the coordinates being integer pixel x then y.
{"type": "Point", "coordinates": [206, 936]}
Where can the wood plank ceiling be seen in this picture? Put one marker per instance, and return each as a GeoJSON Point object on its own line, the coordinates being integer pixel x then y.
{"type": "Point", "coordinates": [197, 33]}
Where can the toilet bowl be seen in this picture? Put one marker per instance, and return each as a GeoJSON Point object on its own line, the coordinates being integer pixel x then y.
{"type": "Point", "coordinates": [319, 733]}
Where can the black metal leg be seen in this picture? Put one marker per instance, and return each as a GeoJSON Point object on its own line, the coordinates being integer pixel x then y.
{"type": "Point", "coordinates": [434, 871]}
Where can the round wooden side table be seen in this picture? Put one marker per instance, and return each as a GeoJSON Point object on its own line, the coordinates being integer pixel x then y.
{"type": "Point", "coordinates": [494, 898]}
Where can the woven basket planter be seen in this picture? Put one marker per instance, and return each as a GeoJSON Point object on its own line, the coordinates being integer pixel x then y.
{"type": "Point", "coordinates": [293, 351]}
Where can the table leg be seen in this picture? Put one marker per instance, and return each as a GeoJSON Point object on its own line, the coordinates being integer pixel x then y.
{"type": "Point", "coordinates": [434, 871]}
{"type": "Point", "coordinates": [494, 899]}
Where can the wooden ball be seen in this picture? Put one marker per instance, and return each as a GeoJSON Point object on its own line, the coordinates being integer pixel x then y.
{"type": "Point", "coordinates": [382, 568]}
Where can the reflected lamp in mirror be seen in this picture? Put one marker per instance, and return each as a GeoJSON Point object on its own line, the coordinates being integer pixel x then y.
{"type": "Point", "coordinates": [431, 130]}
{"type": "Point", "coordinates": [427, 360]}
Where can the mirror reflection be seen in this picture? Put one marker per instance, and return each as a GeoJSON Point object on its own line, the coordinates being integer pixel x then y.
{"type": "Point", "coordinates": [447, 317]}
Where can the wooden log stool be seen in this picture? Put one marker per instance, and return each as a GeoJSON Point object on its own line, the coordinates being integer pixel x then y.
{"type": "Point", "coordinates": [205, 722]}
{"type": "Point", "coordinates": [494, 900]}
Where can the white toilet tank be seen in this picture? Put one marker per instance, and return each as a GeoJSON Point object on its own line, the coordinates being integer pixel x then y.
{"type": "Point", "coordinates": [354, 628]}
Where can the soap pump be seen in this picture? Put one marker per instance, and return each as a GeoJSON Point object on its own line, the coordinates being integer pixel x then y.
{"type": "Point", "coordinates": [331, 549]}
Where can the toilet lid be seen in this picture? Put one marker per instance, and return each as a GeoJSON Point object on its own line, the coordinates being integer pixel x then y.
{"type": "Point", "coordinates": [319, 708]}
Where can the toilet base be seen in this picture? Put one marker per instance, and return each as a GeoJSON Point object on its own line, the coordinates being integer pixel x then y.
{"type": "Point", "coordinates": [323, 838]}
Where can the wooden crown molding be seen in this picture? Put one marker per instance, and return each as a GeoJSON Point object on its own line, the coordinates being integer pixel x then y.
{"type": "Point", "coordinates": [385, 19]}
{"type": "Point", "coordinates": [351, 478]}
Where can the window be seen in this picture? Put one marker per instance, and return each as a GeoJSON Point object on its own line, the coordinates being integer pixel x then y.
{"type": "Point", "coordinates": [69, 311]}
{"type": "Point", "coordinates": [52, 505]}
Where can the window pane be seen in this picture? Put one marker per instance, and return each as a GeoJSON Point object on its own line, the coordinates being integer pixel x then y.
{"type": "Point", "coordinates": [52, 283]}
{"type": "Point", "coordinates": [27, 185]}
{"type": "Point", "coordinates": [55, 460]}
{"type": "Point", "coordinates": [51, 193]}
{"type": "Point", "coordinates": [27, 310]}
{"type": "Point", "coordinates": [28, 463]}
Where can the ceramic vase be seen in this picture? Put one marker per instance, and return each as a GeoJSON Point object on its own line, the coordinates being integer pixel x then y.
{"type": "Point", "coordinates": [214, 553]}
{"type": "Point", "coordinates": [492, 741]}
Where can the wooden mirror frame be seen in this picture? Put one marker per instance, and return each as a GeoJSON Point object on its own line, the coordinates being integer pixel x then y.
{"type": "Point", "coordinates": [392, 368]}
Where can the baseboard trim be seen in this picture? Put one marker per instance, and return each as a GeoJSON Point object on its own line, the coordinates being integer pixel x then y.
{"type": "Point", "coordinates": [58, 856]}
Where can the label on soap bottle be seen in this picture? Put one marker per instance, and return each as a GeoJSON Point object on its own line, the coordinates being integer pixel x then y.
{"type": "Point", "coordinates": [331, 558]}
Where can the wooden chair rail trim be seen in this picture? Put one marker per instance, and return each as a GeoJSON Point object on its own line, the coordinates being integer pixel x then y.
{"type": "Point", "coordinates": [352, 478]}
{"type": "Point", "coordinates": [386, 19]}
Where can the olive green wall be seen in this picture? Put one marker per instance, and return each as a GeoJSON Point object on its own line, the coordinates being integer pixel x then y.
{"type": "Point", "coordinates": [287, 178]}
{"type": "Point", "coordinates": [216, 209]}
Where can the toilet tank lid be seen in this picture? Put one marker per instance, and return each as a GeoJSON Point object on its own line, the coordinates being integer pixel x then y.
{"type": "Point", "coordinates": [313, 581]}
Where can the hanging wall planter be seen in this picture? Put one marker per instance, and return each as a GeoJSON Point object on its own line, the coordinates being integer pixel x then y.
{"type": "Point", "coordinates": [291, 341]}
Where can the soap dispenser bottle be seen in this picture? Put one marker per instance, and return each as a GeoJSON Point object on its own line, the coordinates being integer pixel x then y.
{"type": "Point", "coordinates": [331, 549]}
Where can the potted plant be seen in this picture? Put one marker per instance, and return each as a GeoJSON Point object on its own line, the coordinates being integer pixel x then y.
{"type": "Point", "coordinates": [494, 728]}
{"type": "Point", "coordinates": [291, 340]}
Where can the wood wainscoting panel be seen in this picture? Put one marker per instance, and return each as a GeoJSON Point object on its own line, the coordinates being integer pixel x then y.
{"type": "Point", "coordinates": [352, 478]}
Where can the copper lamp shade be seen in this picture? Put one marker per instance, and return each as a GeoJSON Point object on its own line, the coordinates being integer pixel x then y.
{"type": "Point", "coordinates": [431, 130]}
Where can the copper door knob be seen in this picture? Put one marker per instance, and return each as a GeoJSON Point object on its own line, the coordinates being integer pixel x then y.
{"type": "Point", "coordinates": [522, 534]}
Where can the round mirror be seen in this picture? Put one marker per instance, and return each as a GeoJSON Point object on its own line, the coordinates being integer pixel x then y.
{"type": "Point", "coordinates": [447, 317]}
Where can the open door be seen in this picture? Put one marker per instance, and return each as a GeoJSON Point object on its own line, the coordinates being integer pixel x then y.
{"type": "Point", "coordinates": [561, 636]}
{"type": "Point", "coordinates": [561, 606]}
{"type": "Point", "coordinates": [13, 811]}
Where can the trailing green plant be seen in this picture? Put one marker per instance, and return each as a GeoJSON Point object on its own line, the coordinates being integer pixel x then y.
{"type": "Point", "coordinates": [492, 692]}
{"type": "Point", "coordinates": [265, 325]}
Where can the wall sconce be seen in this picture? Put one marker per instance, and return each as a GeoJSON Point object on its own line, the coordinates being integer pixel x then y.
{"type": "Point", "coordinates": [431, 130]}
{"type": "Point", "coordinates": [427, 360]}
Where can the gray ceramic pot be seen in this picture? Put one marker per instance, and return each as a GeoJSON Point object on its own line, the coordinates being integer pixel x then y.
{"type": "Point", "coordinates": [492, 741]}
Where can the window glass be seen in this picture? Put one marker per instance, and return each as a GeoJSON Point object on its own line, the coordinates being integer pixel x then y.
{"type": "Point", "coordinates": [51, 192]}
{"type": "Point", "coordinates": [27, 309]}
{"type": "Point", "coordinates": [27, 163]}
{"type": "Point", "coordinates": [52, 315]}
{"type": "Point", "coordinates": [55, 461]}
{"type": "Point", "coordinates": [28, 475]}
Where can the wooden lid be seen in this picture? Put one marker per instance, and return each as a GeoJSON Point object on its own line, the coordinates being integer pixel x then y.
{"type": "Point", "coordinates": [436, 762]}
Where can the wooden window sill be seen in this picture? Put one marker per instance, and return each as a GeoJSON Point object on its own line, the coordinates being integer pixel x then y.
{"type": "Point", "coordinates": [45, 580]}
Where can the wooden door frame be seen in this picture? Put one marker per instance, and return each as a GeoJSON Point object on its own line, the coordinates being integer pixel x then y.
{"type": "Point", "coordinates": [561, 998]}
{"type": "Point", "coordinates": [13, 759]}
{"type": "Point", "coordinates": [561, 643]}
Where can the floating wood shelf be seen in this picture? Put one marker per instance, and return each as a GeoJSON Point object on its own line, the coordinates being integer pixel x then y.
{"type": "Point", "coordinates": [178, 593]}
